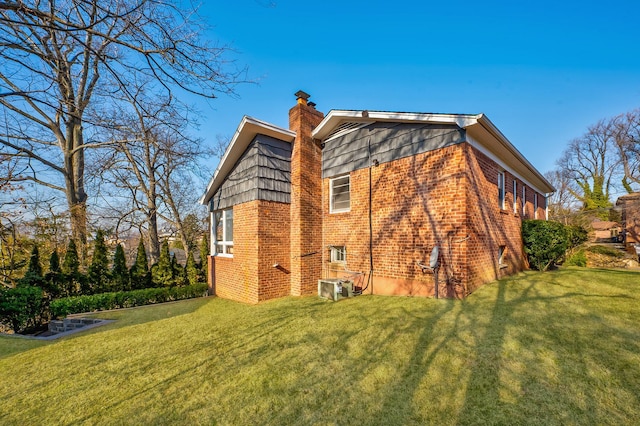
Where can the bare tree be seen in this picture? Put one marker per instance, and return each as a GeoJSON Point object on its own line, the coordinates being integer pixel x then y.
{"type": "Point", "coordinates": [61, 60]}
{"type": "Point", "coordinates": [562, 203]}
{"type": "Point", "coordinates": [591, 163]}
{"type": "Point", "coordinates": [627, 137]}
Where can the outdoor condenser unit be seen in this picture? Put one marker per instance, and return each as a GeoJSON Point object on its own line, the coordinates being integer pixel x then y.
{"type": "Point", "coordinates": [335, 288]}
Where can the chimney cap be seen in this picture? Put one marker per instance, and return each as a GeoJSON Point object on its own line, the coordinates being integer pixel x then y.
{"type": "Point", "coordinates": [302, 96]}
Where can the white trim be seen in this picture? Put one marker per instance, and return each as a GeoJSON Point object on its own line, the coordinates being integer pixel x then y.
{"type": "Point", "coordinates": [247, 130]}
{"type": "Point", "coordinates": [502, 196]}
{"type": "Point", "coordinates": [225, 243]}
{"type": "Point", "coordinates": [331, 208]}
{"type": "Point", "coordinates": [335, 117]}
{"type": "Point", "coordinates": [334, 251]}
{"type": "Point", "coordinates": [524, 200]}
{"type": "Point", "coordinates": [546, 207]}
{"type": "Point", "coordinates": [475, 124]}
{"type": "Point", "coordinates": [498, 161]}
{"type": "Point", "coordinates": [515, 196]}
{"type": "Point", "coordinates": [535, 205]}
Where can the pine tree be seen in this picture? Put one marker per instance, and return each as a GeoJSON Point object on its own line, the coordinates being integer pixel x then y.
{"type": "Point", "coordinates": [98, 274]}
{"type": "Point", "coordinates": [191, 270]}
{"type": "Point", "coordinates": [204, 259]}
{"type": "Point", "coordinates": [34, 267]}
{"type": "Point", "coordinates": [119, 272]}
{"type": "Point", "coordinates": [71, 262]}
{"type": "Point", "coordinates": [140, 270]}
{"type": "Point", "coordinates": [53, 279]}
{"type": "Point", "coordinates": [162, 272]}
{"type": "Point", "coordinates": [33, 277]}
{"type": "Point", "coordinates": [73, 279]}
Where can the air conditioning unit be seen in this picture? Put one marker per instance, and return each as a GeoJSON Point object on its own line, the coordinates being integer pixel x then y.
{"type": "Point", "coordinates": [335, 288]}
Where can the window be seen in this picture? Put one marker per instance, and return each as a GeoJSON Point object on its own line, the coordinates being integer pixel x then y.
{"type": "Point", "coordinates": [535, 205]}
{"type": "Point", "coordinates": [340, 194]}
{"type": "Point", "coordinates": [501, 190]}
{"type": "Point", "coordinates": [515, 197]}
{"type": "Point", "coordinates": [524, 201]}
{"type": "Point", "coordinates": [338, 254]}
{"type": "Point", "coordinates": [546, 208]}
{"type": "Point", "coordinates": [223, 232]}
{"type": "Point", "coordinates": [502, 251]}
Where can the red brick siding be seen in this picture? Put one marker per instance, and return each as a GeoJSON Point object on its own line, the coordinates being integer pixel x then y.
{"type": "Point", "coordinates": [260, 240]}
{"type": "Point", "coordinates": [417, 203]}
{"type": "Point", "coordinates": [447, 197]}
{"type": "Point", "coordinates": [489, 226]}
{"type": "Point", "coordinates": [274, 246]}
{"type": "Point", "coordinates": [236, 277]}
{"type": "Point", "coordinates": [305, 216]}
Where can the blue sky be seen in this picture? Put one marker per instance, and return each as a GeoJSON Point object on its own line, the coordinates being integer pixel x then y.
{"type": "Point", "coordinates": [542, 71]}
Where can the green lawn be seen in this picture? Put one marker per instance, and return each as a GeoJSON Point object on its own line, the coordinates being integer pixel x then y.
{"type": "Point", "coordinates": [555, 348]}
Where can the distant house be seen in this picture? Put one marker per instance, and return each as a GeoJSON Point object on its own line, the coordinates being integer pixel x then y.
{"type": "Point", "coordinates": [368, 194]}
{"type": "Point", "coordinates": [605, 231]}
{"type": "Point", "coordinates": [629, 206]}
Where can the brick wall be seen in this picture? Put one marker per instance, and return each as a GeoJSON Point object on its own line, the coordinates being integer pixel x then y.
{"type": "Point", "coordinates": [447, 197]}
{"type": "Point", "coordinates": [261, 240]}
{"type": "Point", "coordinates": [306, 213]}
{"type": "Point", "coordinates": [274, 243]}
{"type": "Point", "coordinates": [236, 277]}
{"type": "Point", "coordinates": [416, 204]}
{"type": "Point", "coordinates": [491, 227]}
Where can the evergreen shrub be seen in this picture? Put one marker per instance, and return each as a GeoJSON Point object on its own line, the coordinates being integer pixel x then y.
{"type": "Point", "coordinates": [116, 300]}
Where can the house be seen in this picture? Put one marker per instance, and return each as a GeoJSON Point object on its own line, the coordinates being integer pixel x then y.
{"type": "Point", "coordinates": [605, 230]}
{"type": "Point", "coordinates": [629, 206]}
{"type": "Point", "coordinates": [367, 195]}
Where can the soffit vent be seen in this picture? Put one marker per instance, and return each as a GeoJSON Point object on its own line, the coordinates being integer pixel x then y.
{"type": "Point", "coordinates": [344, 128]}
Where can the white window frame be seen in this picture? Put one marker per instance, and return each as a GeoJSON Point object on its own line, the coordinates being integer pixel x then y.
{"type": "Point", "coordinates": [224, 247]}
{"type": "Point", "coordinates": [535, 205]}
{"type": "Point", "coordinates": [332, 182]}
{"type": "Point", "coordinates": [501, 194]}
{"type": "Point", "coordinates": [546, 207]}
{"type": "Point", "coordinates": [515, 197]}
{"type": "Point", "coordinates": [502, 251]}
{"type": "Point", "coordinates": [338, 254]}
{"type": "Point", "coordinates": [524, 200]}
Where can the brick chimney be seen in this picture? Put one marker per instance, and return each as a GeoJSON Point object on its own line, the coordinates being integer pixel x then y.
{"type": "Point", "coordinates": [306, 198]}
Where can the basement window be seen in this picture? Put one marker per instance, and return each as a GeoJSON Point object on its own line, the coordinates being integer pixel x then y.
{"type": "Point", "coordinates": [223, 232]}
{"type": "Point", "coordinates": [502, 251]}
{"type": "Point", "coordinates": [340, 194]}
{"type": "Point", "coordinates": [338, 254]}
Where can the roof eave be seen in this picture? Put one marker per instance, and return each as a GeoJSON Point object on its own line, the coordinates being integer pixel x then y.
{"type": "Point", "coordinates": [247, 130]}
{"type": "Point", "coordinates": [335, 117]}
{"type": "Point", "coordinates": [484, 121]}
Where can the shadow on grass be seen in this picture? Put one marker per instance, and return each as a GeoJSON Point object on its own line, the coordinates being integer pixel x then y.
{"type": "Point", "coordinates": [569, 356]}
{"type": "Point", "coordinates": [10, 346]}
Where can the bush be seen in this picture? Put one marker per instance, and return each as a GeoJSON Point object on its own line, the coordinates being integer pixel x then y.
{"type": "Point", "coordinates": [576, 235]}
{"type": "Point", "coordinates": [21, 308]}
{"type": "Point", "coordinates": [579, 258]}
{"type": "Point", "coordinates": [124, 299]}
{"type": "Point", "coordinates": [545, 242]}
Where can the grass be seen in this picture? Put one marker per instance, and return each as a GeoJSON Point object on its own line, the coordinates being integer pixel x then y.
{"type": "Point", "coordinates": [607, 251]}
{"type": "Point", "coordinates": [549, 348]}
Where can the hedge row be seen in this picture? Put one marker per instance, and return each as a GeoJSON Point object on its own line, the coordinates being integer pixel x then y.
{"type": "Point", "coordinates": [124, 299]}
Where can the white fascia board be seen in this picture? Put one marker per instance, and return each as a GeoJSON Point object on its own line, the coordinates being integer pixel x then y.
{"type": "Point", "coordinates": [335, 117]}
{"type": "Point", "coordinates": [248, 128]}
{"type": "Point", "coordinates": [507, 155]}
